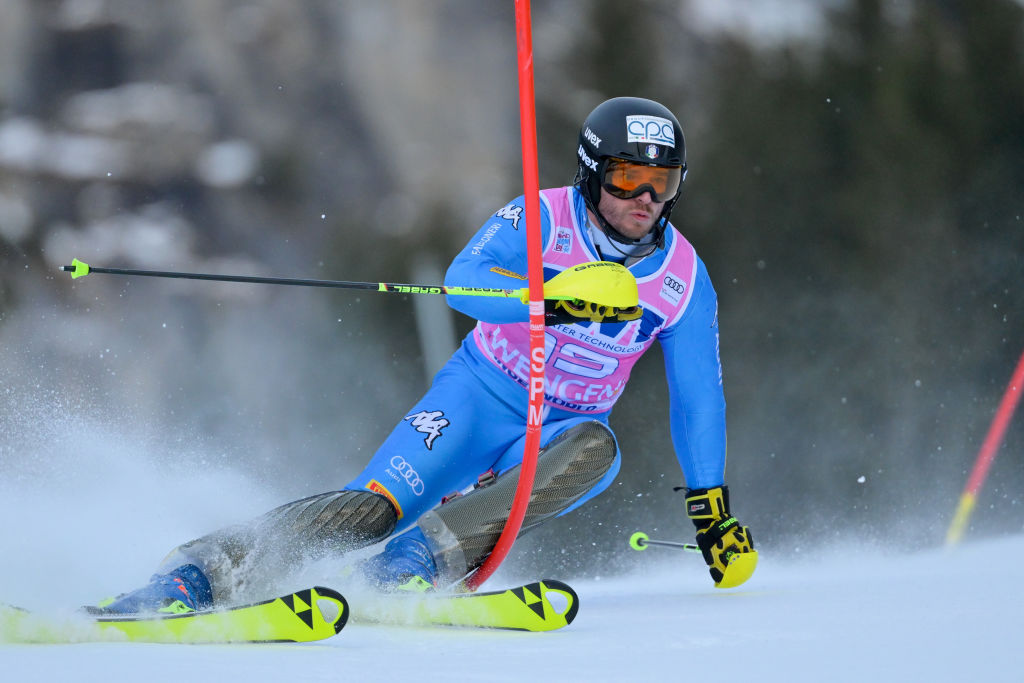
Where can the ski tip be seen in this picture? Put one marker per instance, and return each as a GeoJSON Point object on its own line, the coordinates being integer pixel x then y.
{"type": "Point", "coordinates": [329, 595]}
{"type": "Point", "coordinates": [572, 606]}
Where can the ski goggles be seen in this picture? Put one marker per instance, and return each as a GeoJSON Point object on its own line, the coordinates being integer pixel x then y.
{"type": "Point", "coordinates": [626, 180]}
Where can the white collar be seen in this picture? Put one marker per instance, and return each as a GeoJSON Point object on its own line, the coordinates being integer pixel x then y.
{"type": "Point", "coordinates": [616, 251]}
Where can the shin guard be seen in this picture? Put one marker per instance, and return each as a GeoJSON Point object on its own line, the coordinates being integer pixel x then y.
{"type": "Point", "coordinates": [462, 532]}
{"type": "Point", "coordinates": [254, 554]}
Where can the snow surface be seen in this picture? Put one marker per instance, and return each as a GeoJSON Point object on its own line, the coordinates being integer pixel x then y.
{"type": "Point", "coordinates": [846, 616]}
{"type": "Point", "coordinates": [86, 515]}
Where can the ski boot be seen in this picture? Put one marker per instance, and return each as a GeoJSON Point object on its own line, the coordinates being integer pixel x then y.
{"type": "Point", "coordinates": [185, 589]}
{"type": "Point", "coordinates": [406, 564]}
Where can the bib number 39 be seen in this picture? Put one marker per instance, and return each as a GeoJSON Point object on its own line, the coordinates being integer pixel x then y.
{"type": "Point", "coordinates": [580, 360]}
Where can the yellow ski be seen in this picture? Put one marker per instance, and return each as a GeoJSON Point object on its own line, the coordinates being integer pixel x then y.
{"type": "Point", "coordinates": [306, 615]}
{"type": "Point", "coordinates": [542, 606]}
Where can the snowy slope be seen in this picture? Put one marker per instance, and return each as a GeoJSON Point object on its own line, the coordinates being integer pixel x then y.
{"type": "Point", "coordinates": [86, 515]}
{"type": "Point", "coordinates": [848, 616]}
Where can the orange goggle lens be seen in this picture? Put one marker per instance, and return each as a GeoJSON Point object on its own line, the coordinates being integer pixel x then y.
{"type": "Point", "coordinates": [625, 180]}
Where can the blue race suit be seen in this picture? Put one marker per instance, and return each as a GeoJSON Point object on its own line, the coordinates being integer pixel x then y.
{"type": "Point", "coordinates": [473, 417]}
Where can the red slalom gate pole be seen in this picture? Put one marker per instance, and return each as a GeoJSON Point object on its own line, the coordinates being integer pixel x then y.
{"type": "Point", "coordinates": [535, 273]}
{"type": "Point", "coordinates": [987, 454]}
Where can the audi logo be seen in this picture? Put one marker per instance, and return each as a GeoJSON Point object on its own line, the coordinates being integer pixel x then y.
{"type": "Point", "coordinates": [412, 478]}
{"type": "Point", "coordinates": [674, 284]}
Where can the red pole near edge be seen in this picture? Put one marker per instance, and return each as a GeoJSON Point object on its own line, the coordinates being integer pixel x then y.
{"type": "Point", "coordinates": [535, 273]}
{"type": "Point", "coordinates": [987, 454]}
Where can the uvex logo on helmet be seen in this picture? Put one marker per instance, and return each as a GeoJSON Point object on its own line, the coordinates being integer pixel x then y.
{"type": "Point", "coordinates": [587, 161]}
{"type": "Point", "coordinates": [643, 128]}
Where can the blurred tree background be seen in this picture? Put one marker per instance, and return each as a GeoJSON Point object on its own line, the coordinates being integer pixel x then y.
{"type": "Point", "coordinates": [855, 189]}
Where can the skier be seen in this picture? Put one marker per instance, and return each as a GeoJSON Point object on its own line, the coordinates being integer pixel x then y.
{"type": "Point", "coordinates": [467, 432]}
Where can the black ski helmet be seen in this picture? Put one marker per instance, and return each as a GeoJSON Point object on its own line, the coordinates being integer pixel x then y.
{"type": "Point", "coordinates": [634, 129]}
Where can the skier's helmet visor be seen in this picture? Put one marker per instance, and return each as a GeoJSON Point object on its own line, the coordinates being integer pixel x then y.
{"type": "Point", "coordinates": [625, 180]}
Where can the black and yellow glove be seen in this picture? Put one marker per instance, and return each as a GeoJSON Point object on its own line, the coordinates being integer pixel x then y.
{"type": "Point", "coordinates": [727, 547]}
{"type": "Point", "coordinates": [569, 311]}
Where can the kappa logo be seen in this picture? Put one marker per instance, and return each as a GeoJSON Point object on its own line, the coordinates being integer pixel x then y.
{"type": "Point", "coordinates": [511, 213]}
{"type": "Point", "coordinates": [430, 423]}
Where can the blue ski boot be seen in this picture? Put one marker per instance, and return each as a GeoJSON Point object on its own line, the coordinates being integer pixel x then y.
{"type": "Point", "coordinates": [406, 564]}
{"type": "Point", "coordinates": [181, 590]}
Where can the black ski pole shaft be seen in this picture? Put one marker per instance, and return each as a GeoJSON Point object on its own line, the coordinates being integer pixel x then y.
{"type": "Point", "coordinates": [640, 541]}
{"type": "Point", "coordinates": [80, 269]}
{"type": "Point", "coordinates": [692, 547]}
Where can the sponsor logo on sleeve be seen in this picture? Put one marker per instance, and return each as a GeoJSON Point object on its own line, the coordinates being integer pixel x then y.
{"type": "Point", "coordinates": [491, 231]}
{"type": "Point", "coordinates": [643, 128]}
{"type": "Point", "coordinates": [430, 423]}
{"type": "Point", "coordinates": [409, 473]}
{"type": "Point", "coordinates": [673, 288]}
{"type": "Point", "coordinates": [378, 487]}
{"type": "Point", "coordinates": [507, 273]}
{"type": "Point", "coordinates": [511, 213]}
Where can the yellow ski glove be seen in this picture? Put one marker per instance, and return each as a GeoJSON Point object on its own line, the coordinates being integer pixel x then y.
{"type": "Point", "coordinates": [727, 547]}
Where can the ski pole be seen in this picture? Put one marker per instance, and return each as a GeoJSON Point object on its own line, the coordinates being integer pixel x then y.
{"type": "Point", "coordinates": [640, 541]}
{"type": "Point", "coordinates": [79, 269]}
{"type": "Point", "coordinates": [603, 282]}
{"type": "Point", "coordinates": [987, 454]}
